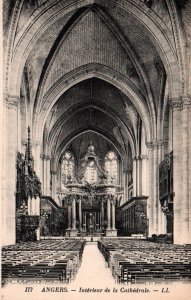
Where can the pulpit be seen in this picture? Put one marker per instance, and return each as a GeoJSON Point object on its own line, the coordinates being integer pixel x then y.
{"type": "Point", "coordinates": [28, 192]}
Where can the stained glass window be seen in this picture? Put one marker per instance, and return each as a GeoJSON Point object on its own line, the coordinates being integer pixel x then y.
{"type": "Point", "coordinates": [111, 167]}
{"type": "Point", "coordinates": [67, 168]}
{"type": "Point", "coordinates": [91, 173]}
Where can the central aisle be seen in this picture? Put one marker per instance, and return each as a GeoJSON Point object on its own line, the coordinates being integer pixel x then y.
{"type": "Point", "coordinates": [93, 270]}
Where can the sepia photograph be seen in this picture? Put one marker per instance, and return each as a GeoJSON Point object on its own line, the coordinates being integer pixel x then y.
{"type": "Point", "coordinates": [95, 156]}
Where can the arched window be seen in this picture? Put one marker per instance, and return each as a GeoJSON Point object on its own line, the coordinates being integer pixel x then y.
{"type": "Point", "coordinates": [111, 167]}
{"type": "Point", "coordinates": [91, 175]}
{"type": "Point", "coordinates": [67, 168]}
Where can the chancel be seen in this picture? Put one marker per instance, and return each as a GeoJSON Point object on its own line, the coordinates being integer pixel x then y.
{"type": "Point", "coordinates": [92, 192]}
{"type": "Point", "coordinates": [96, 140]}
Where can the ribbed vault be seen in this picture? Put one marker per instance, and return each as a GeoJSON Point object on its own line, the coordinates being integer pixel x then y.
{"type": "Point", "coordinates": [94, 105]}
{"type": "Point", "coordinates": [125, 47]}
{"type": "Point", "coordinates": [122, 77]}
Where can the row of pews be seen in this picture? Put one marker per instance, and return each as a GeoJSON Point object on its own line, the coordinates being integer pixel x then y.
{"type": "Point", "coordinates": [139, 261]}
{"type": "Point", "coordinates": [43, 261]}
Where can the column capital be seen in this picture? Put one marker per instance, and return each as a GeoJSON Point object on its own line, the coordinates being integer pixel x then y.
{"type": "Point", "coordinates": [151, 145]}
{"type": "Point", "coordinates": [126, 171]}
{"type": "Point", "coordinates": [143, 156]}
{"type": "Point", "coordinates": [11, 101]}
{"type": "Point", "coordinates": [155, 144]}
{"type": "Point", "coordinates": [186, 101]}
{"type": "Point", "coordinates": [69, 201]}
{"type": "Point", "coordinates": [45, 157]}
{"type": "Point", "coordinates": [53, 172]}
{"type": "Point", "coordinates": [134, 158]}
{"type": "Point", "coordinates": [175, 104]}
{"type": "Point", "coordinates": [163, 142]}
{"type": "Point", "coordinates": [108, 199]}
{"type": "Point", "coordinates": [179, 103]}
{"type": "Point", "coordinates": [113, 201]}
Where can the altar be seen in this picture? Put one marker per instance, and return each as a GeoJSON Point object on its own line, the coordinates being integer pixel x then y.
{"type": "Point", "coordinates": [91, 205]}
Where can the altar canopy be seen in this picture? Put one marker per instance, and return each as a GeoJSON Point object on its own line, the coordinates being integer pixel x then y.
{"type": "Point", "coordinates": [91, 194]}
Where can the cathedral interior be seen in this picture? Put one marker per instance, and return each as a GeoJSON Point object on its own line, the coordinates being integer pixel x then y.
{"type": "Point", "coordinates": [96, 134]}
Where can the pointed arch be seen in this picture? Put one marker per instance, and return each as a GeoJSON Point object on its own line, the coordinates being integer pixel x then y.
{"type": "Point", "coordinates": [101, 72]}
{"type": "Point", "coordinates": [46, 14]}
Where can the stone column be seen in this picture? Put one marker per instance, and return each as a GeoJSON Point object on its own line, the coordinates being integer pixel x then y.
{"type": "Point", "coordinates": [113, 215]}
{"type": "Point", "coordinates": [111, 231]}
{"type": "Point", "coordinates": [85, 220]}
{"type": "Point", "coordinates": [186, 211]}
{"type": "Point", "coordinates": [156, 187]}
{"type": "Point", "coordinates": [48, 175]}
{"type": "Point", "coordinates": [41, 172]}
{"type": "Point", "coordinates": [80, 214]}
{"type": "Point", "coordinates": [161, 221]}
{"type": "Point", "coordinates": [37, 213]}
{"type": "Point", "coordinates": [29, 205]}
{"type": "Point", "coordinates": [37, 159]}
{"type": "Point", "coordinates": [68, 230]}
{"type": "Point", "coordinates": [33, 200]}
{"type": "Point", "coordinates": [181, 167]}
{"type": "Point", "coordinates": [126, 182]}
{"type": "Point", "coordinates": [82, 220]}
{"type": "Point", "coordinates": [181, 163]}
{"type": "Point", "coordinates": [161, 215]}
{"type": "Point", "coordinates": [10, 143]}
{"type": "Point", "coordinates": [73, 231]}
{"type": "Point", "coordinates": [177, 169]}
{"type": "Point", "coordinates": [38, 206]}
{"type": "Point", "coordinates": [102, 212]}
{"type": "Point", "coordinates": [153, 200]}
{"type": "Point", "coordinates": [54, 184]}
{"type": "Point", "coordinates": [150, 191]}
{"type": "Point", "coordinates": [134, 176]}
{"type": "Point", "coordinates": [38, 234]}
{"type": "Point", "coordinates": [108, 214]}
{"type": "Point", "coordinates": [144, 165]}
{"type": "Point", "coordinates": [144, 175]}
{"type": "Point", "coordinates": [44, 174]}
{"type": "Point", "coordinates": [35, 208]}
{"type": "Point", "coordinates": [139, 176]}
{"type": "Point", "coordinates": [73, 213]}
{"type": "Point", "coordinates": [3, 189]}
{"type": "Point", "coordinates": [189, 174]}
{"type": "Point", "coordinates": [19, 112]}
{"type": "Point", "coordinates": [69, 216]}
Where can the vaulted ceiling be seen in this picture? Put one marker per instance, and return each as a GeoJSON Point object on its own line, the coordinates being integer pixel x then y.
{"type": "Point", "coordinates": [93, 109]}
{"type": "Point", "coordinates": [96, 69]}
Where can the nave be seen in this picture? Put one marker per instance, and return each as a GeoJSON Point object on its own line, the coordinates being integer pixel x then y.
{"type": "Point", "coordinates": [96, 138]}
{"type": "Point", "coordinates": [95, 119]}
{"type": "Point", "coordinates": [108, 261]}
